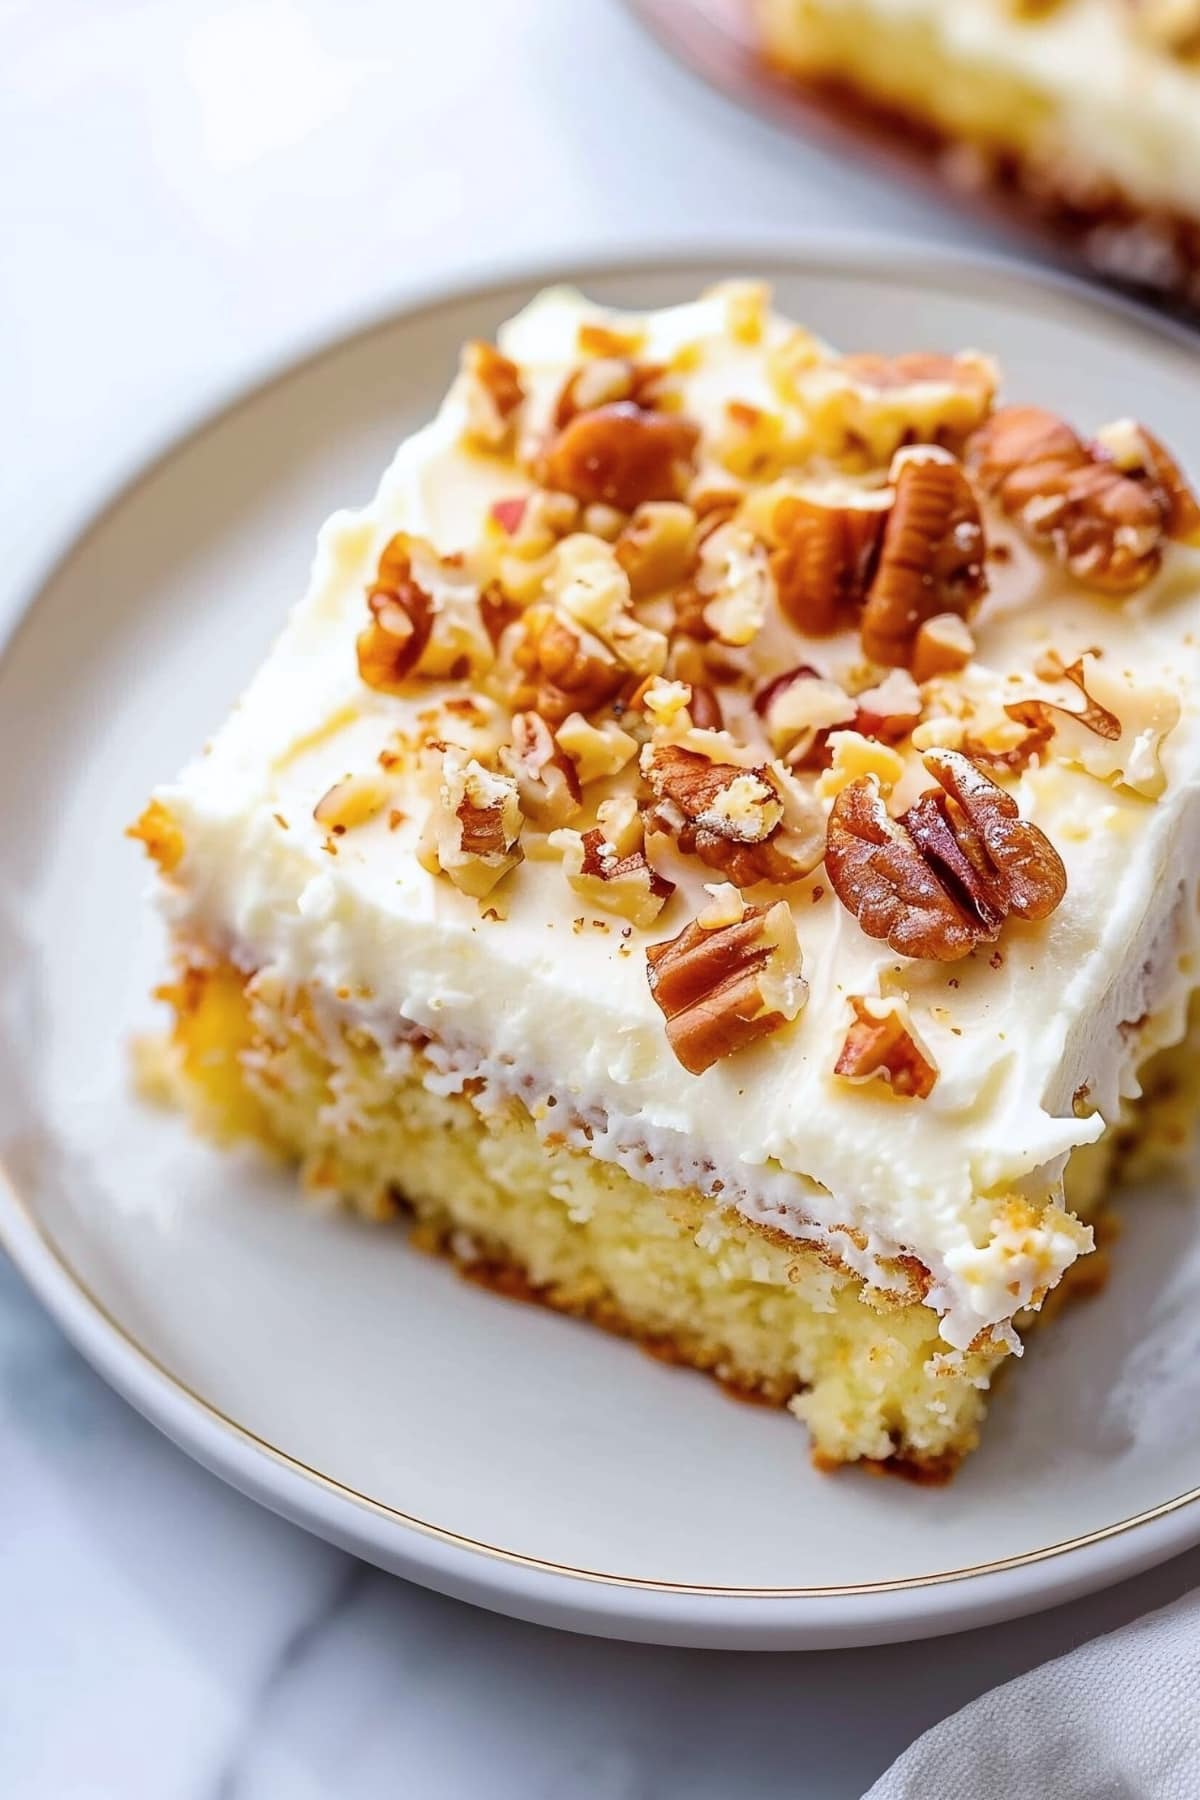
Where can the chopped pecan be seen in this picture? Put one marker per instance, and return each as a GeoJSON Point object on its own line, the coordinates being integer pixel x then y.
{"type": "Point", "coordinates": [401, 620]}
{"type": "Point", "coordinates": [597, 751]}
{"type": "Point", "coordinates": [891, 710]}
{"type": "Point", "coordinates": [595, 339]}
{"type": "Point", "coordinates": [657, 548]}
{"type": "Point", "coordinates": [848, 756]}
{"type": "Point", "coordinates": [944, 876]}
{"type": "Point", "coordinates": [1036, 714]}
{"type": "Point", "coordinates": [616, 878]}
{"type": "Point", "coordinates": [1105, 526]}
{"type": "Point", "coordinates": [568, 668]}
{"type": "Point", "coordinates": [870, 404]}
{"type": "Point", "coordinates": [602, 381]}
{"type": "Point", "coordinates": [943, 645]}
{"type": "Point", "coordinates": [427, 619]}
{"type": "Point", "coordinates": [930, 560]}
{"type": "Point", "coordinates": [724, 988]}
{"type": "Point", "coordinates": [826, 545]}
{"type": "Point", "coordinates": [494, 394]}
{"type": "Point", "coordinates": [734, 581]}
{"type": "Point", "coordinates": [705, 707]}
{"type": "Point", "coordinates": [158, 831]}
{"type": "Point", "coordinates": [738, 804]}
{"type": "Point", "coordinates": [799, 709]}
{"type": "Point", "coordinates": [349, 802]}
{"type": "Point", "coordinates": [883, 1042]}
{"type": "Point", "coordinates": [622, 455]}
{"type": "Point", "coordinates": [1107, 743]}
{"type": "Point", "coordinates": [546, 778]}
{"type": "Point", "coordinates": [1138, 453]}
{"type": "Point", "coordinates": [473, 830]}
{"type": "Point", "coordinates": [750, 824]}
{"type": "Point", "coordinates": [591, 587]}
{"type": "Point", "coordinates": [1012, 758]}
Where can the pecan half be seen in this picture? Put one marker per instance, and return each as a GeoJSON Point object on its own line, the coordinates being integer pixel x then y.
{"type": "Point", "coordinates": [946, 874]}
{"type": "Point", "coordinates": [722, 989]}
{"type": "Point", "coordinates": [622, 455]}
{"type": "Point", "coordinates": [930, 561]}
{"type": "Point", "coordinates": [1105, 526]}
{"type": "Point", "coordinates": [882, 1042]}
{"type": "Point", "coordinates": [826, 545]}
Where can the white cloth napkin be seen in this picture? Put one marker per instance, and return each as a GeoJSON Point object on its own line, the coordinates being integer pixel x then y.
{"type": "Point", "coordinates": [1116, 1719]}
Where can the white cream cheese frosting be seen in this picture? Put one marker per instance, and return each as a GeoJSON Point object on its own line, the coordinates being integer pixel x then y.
{"type": "Point", "coordinates": [553, 998]}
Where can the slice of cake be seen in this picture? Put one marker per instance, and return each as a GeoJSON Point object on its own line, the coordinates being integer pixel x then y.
{"type": "Point", "coordinates": [716, 847]}
{"type": "Point", "coordinates": [1086, 112]}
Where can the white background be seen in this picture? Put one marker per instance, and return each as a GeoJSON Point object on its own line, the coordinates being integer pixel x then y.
{"type": "Point", "coordinates": [188, 192]}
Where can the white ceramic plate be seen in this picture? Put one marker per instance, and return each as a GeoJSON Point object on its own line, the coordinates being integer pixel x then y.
{"type": "Point", "coordinates": [492, 1450]}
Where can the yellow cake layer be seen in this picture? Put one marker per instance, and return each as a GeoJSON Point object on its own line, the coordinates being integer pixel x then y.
{"type": "Point", "coordinates": [768, 1316]}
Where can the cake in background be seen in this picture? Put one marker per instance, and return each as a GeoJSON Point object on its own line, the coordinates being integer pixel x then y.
{"type": "Point", "coordinates": [1084, 112]}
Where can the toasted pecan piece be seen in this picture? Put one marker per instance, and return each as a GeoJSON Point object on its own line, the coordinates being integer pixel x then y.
{"type": "Point", "coordinates": [1107, 527]}
{"type": "Point", "coordinates": [603, 380]}
{"type": "Point", "coordinates": [473, 831]}
{"type": "Point", "coordinates": [721, 989]}
{"type": "Point", "coordinates": [970, 374]}
{"type": "Point", "coordinates": [568, 668]}
{"type": "Point", "coordinates": [799, 708]}
{"type": "Point", "coordinates": [882, 1042]}
{"type": "Point", "coordinates": [826, 546]}
{"type": "Point", "coordinates": [657, 548]}
{"type": "Point", "coordinates": [401, 620]}
{"type": "Point", "coordinates": [930, 560]}
{"type": "Point", "coordinates": [428, 619]}
{"type": "Point", "coordinates": [738, 804]}
{"type": "Point", "coordinates": [622, 455]}
{"type": "Point", "coordinates": [615, 876]}
{"type": "Point", "coordinates": [946, 874]}
{"type": "Point", "coordinates": [1138, 453]}
{"type": "Point", "coordinates": [1107, 743]}
{"type": "Point", "coordinates": [493, 394]}
{"type": "Point", "coordinates": [547, 780]}
{"type": "Point", "coordinates": [750, 824]}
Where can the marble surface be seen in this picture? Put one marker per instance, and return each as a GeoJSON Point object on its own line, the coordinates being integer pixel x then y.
{"type": "Point", "coordinates": [187, 191]}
